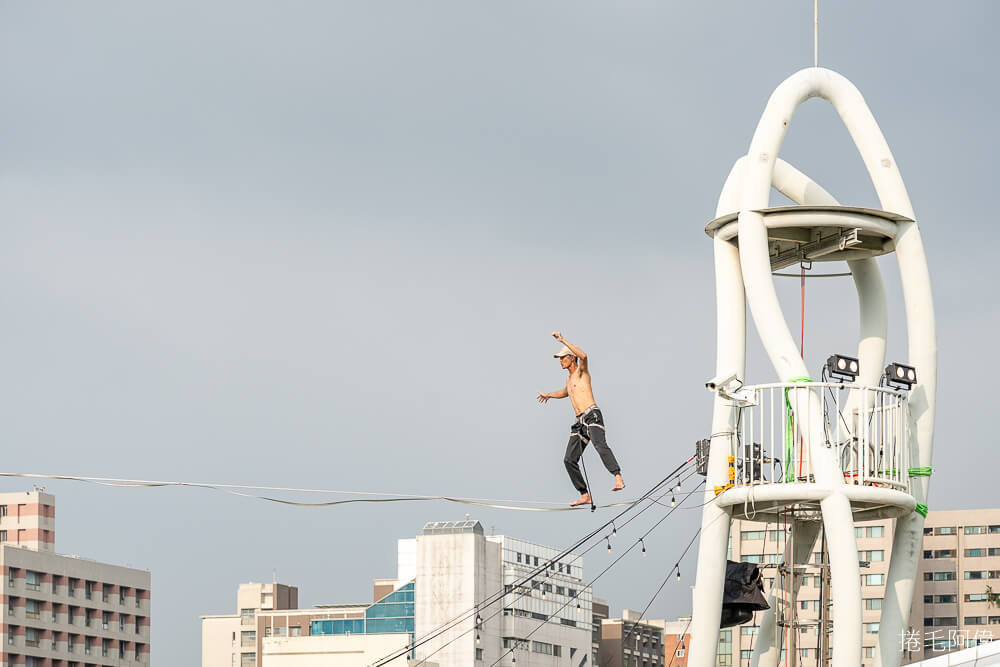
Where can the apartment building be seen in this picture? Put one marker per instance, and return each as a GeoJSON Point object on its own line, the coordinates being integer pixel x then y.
{"type": "Point", "coordinates": [676, 639]}
{"type": "Point", "coordinates": [765, 544]}
{"type": "Point", "coordinates": [952, 608]}
{"type": "Point", "coordinates": [599, 611]}
{"type": "Point", "coordinates": [630, 641]}
{"type": "Point", "coordinates": [65, 611]}
{"type": "Point", "coordinates": [262, 610]}
{"type": "Point", "coordinates": [443, 572]}
{"type": "Point", "coordinates": [957, 575]}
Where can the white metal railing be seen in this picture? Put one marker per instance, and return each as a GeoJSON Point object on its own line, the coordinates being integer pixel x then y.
{"type": "Point", "coordinates": [867, 426]}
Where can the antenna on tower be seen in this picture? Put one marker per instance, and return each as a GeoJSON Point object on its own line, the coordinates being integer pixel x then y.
{"type": "Point", "coordinates": [815, 33]}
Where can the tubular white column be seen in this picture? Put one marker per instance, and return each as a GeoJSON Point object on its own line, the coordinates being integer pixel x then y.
{"type": "Point", "coordinates": [715, 521]}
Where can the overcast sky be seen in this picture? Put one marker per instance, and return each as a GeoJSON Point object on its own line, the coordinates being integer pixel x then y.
{"type": "Point", "coordinates": [323, 244]}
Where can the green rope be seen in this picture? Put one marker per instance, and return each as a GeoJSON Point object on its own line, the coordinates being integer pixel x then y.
{"type": "Point", "coordinates": [922, 471]}
{"type": "Point", "coordinates": [789, 448]}
{"type": "Point", "coordinates": [921, 510]}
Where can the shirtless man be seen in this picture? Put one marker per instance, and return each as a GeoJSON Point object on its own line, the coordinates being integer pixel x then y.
{"type": "Point", "coordinates": [589, 425]}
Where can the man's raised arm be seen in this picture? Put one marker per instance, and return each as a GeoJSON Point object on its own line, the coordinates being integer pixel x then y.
{"type": "Point", "coordinates": [577, 352]}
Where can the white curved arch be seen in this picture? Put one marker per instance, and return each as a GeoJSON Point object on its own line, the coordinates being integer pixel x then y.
{"type": "Point", "coordinates": [730, 357]}
{"type": "Point", "coordinates": [817, 82]}
{"type": "Point", "coordinates": [752, 186]}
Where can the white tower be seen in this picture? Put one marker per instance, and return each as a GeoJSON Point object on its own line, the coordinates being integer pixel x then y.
{"type": "Point", "coordinates": [799, 450]}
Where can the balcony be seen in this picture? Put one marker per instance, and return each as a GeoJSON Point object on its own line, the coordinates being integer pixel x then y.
{"type": "Point", "coordinates": [781, 427]}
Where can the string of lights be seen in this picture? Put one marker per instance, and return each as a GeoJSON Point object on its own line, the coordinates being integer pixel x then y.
{"type": "Point", "coordinates": [497, 596]}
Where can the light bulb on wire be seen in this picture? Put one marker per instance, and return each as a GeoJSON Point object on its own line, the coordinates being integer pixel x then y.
{"type": "Point", "coordinates": [677, 487]}
{"type": "Point", "coordinates": [614, 530]}
{"type": "Point", "coordinates": [678, 566]}
{"type": "Point", "coordinates": [641, 541]}
{"type": "Point", "coordinates": [673, 501]}
{"type": "Point", "coordinates": [609, 544]}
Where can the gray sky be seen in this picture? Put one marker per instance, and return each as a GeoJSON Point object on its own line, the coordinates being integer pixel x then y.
{"type": "Point", "coordinates": [323, 244]}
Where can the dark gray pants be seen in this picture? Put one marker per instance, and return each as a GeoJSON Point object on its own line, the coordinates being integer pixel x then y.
{"type": "Point", "coordinates": [589, 427]}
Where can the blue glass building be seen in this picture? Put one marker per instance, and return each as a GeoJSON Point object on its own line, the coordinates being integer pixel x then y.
{"type": "Point", "coordinates": [392, 614]}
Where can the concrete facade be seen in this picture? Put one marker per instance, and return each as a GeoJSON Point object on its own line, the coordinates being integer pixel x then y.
{"type": "Point", "coordinates": [960, 560]}
{"type": "Point", "coordinates": [958, 569]}
{"type": "Point", "coordinates": [765, 544]}
{"type": "Point", "coordinates": [66, 611]}
{"type": "Point", "coordinates": [342, 651]}
{"type": "Point", "coordinates": [263, 611]}
{"type": "Point", "coordinates": [631, 642]}
{"type": "Point", "coordinates": [441, 574]}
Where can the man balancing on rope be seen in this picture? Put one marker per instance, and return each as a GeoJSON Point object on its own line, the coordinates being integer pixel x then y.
{"type": "Point", "coordinates": [589, 425]}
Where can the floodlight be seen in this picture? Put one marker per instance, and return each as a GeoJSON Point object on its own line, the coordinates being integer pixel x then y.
{"type": "Point", "coordinates": [900, 376]}
{"type": "Point", "coordinates": [842, 368]}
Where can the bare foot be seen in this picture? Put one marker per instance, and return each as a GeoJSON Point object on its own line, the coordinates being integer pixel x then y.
{"type": "Point", "coordinates": [619, 483]}
{"type": "Point", "coordinates": [582, 500]}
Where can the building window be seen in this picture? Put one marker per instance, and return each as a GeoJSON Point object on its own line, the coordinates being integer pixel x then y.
{"type": "Point", "coordinates": [10, 577]}
{"type": "Point", "coordinates": [871, 628]}
{"type": "Point", "coordinates": [859, 531]}
{"type": "Point", "coordinates": [541, 647]}
{"type": "Point", "coordinates": [11, 631]}
{"type": "Point", "coordinates": [869, 651]}
{"type": "Point", "coordinates": [975, 620]}
{"type": "Point", "coordinates": [975, 574]}
{"type": "Point", "coordinates": [105, 645]}
{"type": "Point", "coordinates": [928, 554]}
{"type": "Point", "coordinates": [3, 535]}
{"type": "Point", "coordinates": [88, 590]}
{"type": "Point", "coordinates": [479, 654]}
{"type": "Point", "coordinates": [557, 650]}
{"type": "Point", "coordinates": [750, 535]}
{"type": "Point", "coordinates": [32, 608]}
{"type": "Point", "coordinates": [105, 619]}
{"type": "Point", "coordinates": [942, 599]}
{"type": "Point", "coordinates": [536, 561]}
{"type": "Point", "coordinates": [10, 606]}
{"type": "Point", "coordinates": [872, 555]}
{"type": "Point", "coordinates": [993, 530]}
{"type": "Point", "coordinates": [874, 579]}
{"type": "Point", "coordinates": [873, 603]}
{"type": "Point", "coordinates": [121, 623]}
{"type": "Point", "coordinates": [975, 553]}
{"type": "Point", "coordinates": [248, 638]}
{"type": "Point", "coordinates": [939, 576]}
{"type": "Point", "coordinates": [138, 624]}
{"type": "Point", "coordinates": [121, 595]}
{"type": "Point", "coordinates": [875, 531]}
{"type": "Point", "coordinates": [933, 621]}
{"type": "Point", "coordinates": [247, 616]}
{"type": "Point", "coordinates": [71, 587]}
{"type": "Point", "coordinates": [138, 597]}
{"type": "Point", "coordinates": [295, 631]}
{"type": "Point", "coordinates": [976, 597]}
{"type": "Point", "coordinates": [518, 556]}
{"type": "Point", "coordinates": [749, 630]}
{"type": "Point", "coordinates": [975, 530]}
{"type": "Point", "coordinates": [944, 530]}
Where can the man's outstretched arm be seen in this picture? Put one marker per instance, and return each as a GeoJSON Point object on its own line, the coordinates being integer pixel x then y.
{"type": "Point", "coordinates": [577, 352]}
{"type": "Point", "coordinates": [559, 393]}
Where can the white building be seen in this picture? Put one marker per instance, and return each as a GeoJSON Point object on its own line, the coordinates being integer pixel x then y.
{"type": "Point", "coordinates": [442, 575]}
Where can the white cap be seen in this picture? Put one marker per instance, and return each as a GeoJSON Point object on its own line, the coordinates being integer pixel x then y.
{"type": "Point", "coordinates": [564, 352]}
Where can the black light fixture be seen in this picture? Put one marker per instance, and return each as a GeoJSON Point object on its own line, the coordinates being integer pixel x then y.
{"type": "Point", "coordinates": [841, 367]}
{"type": "Point", "coordinates": [609, 544]}
{"type": "Point", "coordinates": [900, 376]}
{"type": "Point", "coordinates": [643, 547]}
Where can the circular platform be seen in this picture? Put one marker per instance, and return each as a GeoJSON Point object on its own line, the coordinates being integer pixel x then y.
{"type": "Point", "coordinates": [818, 233]}
{"type": "Point", "coordinates": [766, 502]}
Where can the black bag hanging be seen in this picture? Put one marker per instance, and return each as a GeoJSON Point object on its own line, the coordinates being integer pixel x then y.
{"type": "Point", "coordinates": [742, 595]}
